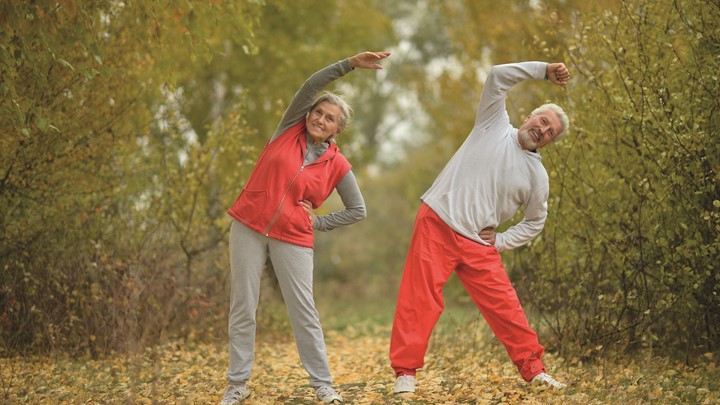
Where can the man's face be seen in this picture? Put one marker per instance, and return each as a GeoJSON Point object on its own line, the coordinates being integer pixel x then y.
{"type": "Point", "coordinates": [539, 130]}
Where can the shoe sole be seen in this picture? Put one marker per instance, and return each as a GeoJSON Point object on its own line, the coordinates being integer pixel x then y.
{"type": "Point", "coordinates": [548, 386]}
{"type": "Point", "coordinates": [333, 401]}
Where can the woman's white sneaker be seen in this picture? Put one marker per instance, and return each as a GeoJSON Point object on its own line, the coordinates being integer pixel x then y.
{"type": "Point", "coordinates": [404, 383]}
{"type": "Point", "coordinates": [234, 394]}
{"type": "Point", "coordinates": [327, 394]}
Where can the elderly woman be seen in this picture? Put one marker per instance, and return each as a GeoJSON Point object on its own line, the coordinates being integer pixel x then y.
{"type": "Point", "coordinates": [274, 215]}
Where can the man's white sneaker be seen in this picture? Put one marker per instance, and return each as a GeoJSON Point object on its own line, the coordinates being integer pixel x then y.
{"type": "Point", "coordinates": [544, 378]}
{"type": "Point", "coordinates": [234, 394]}
{"type": "Point", "coordinates": [328, 395]}
{"type": "Point", "coordinates": [404, 383]}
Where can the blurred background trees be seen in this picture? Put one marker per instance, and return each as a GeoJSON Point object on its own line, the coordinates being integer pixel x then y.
{"type": "Point", "coordinates": [130, 127]}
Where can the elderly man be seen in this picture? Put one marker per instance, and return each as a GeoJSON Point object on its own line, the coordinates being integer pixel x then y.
{"type": "Point", "coordinates": [496, 171]}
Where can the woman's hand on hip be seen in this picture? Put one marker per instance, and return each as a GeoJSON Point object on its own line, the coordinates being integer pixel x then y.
{"type": "Point", "coordinates": [307, 206]}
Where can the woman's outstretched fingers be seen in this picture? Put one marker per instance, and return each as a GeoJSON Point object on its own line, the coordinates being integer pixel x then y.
{"type": "Point", "coordinates": [368, 60]}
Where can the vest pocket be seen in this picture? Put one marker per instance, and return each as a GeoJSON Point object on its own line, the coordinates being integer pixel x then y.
{"type": "Point", "coordinates": [298, 225]}
{"type": "Point", "coordinates": [250, 205]}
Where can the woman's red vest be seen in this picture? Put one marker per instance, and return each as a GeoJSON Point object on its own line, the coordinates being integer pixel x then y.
{"type": "Point", "coordinates": [269, 202]}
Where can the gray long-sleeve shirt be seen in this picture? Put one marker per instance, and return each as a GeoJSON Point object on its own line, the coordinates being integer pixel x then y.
{"type": "Point", "coordinates": [490, 176]}
{"type": "Point", "coordinates": [347, 188]}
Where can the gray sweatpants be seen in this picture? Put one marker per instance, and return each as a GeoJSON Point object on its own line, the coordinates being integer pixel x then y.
{"type": "Point", "coordinates": [293, 266]}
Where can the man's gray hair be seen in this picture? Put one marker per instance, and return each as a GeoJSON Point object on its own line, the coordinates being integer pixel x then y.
{"type": "Point", "coordinates": [334, 99]}
{"type": "Point", "coordinates": [564, 121]}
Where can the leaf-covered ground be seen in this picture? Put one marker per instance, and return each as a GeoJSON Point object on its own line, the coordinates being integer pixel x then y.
{"type": "Point", "coordinates": [471, 368]}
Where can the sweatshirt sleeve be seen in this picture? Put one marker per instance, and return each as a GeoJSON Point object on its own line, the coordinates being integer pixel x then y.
{"type": "Point", "coordinates": [536, 211]}
{"type": "Point", "coordinates": [499, 81]}
{"type": "Point", "coordinates": [353, 201]}
{"type": "Point", "coordinates": [305, 96]}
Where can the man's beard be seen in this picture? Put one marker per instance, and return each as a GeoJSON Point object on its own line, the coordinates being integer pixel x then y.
{"type": "Point", "coordinates": [526, 140]}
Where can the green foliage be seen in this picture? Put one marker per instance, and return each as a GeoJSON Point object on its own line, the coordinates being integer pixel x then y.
{"type": "Point", "coordinates": [631, 247]}
{"type": "Point", "coordinates": [628, 259]}
{"type": "Point", "coordinates": [293, 40]}
{"type": "Point", "coordinates": [81, 238]}
{"type": "Point", "coordinates": [130, 127]}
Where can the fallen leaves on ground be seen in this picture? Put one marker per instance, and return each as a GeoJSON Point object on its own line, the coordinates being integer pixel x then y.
{"type": "Point", "coordinates": [456, 372]}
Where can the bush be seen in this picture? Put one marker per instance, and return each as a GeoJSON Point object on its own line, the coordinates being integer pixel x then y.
{"type": "Point", "coordinates": [631, 247]}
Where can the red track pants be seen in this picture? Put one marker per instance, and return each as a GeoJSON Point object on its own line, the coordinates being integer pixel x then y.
{"type": "Point", "coordinates": [435, 252]}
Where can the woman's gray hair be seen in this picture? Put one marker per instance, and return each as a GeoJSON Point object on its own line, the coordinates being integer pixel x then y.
{"type": "Point", "coordinates": [334, 99]}
{"type": "Point", "coordinates": [564, 121]}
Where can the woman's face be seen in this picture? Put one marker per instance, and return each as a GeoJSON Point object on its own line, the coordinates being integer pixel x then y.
{"type": "Point", "coordinates": [323, 121]}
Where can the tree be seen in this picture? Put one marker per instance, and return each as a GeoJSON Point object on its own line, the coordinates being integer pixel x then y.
{"type": "Point", "coordinates": [81, 84]}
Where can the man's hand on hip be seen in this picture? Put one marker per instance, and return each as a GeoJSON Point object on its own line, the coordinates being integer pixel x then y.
{"type": "Point", "coordinates": [488, 235]}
